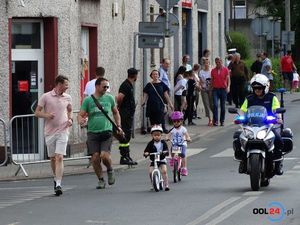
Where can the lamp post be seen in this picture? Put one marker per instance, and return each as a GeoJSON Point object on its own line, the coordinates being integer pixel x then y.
{"type": "Point", "coordinates": [275, 23]}
{"type": "Point", "coordinates": [272, 33]}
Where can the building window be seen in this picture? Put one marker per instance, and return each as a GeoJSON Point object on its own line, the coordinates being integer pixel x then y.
{"type": "Point", "coordinates": [239, 9]}
{"type": "Point", "coordinates": [26, 35]}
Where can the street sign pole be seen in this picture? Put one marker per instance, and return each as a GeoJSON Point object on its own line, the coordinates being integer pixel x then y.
{"type": "Point", "coordinates": [167, 19]}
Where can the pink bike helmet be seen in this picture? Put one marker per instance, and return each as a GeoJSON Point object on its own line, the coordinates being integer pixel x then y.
{"type": "Point", "coordinates": [177, 115]}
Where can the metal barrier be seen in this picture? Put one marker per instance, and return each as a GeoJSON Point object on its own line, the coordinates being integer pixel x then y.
{"type": "Point", "coordinates": [27, 142]}
{"type": "Point", "coordinates": [3, 140]}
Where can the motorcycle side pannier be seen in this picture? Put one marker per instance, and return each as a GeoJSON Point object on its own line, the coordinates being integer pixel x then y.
{"type": "Point", "coordinates": [287, 137]}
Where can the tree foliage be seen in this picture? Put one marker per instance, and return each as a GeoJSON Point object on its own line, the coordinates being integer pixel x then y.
{"type": "Point", "coordinates": [241, 43]}
{"type": "Point", "coordinates": [276, 8]}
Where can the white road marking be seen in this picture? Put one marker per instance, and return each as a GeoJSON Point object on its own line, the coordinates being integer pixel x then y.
{"type": "Point", "coordinates": [96, 222]}
{"type": "Point", "coordinates": [291, 158]}
{"type": "Point", "coordinates": [194, 151]}
{"type": "Point", "coordinates": [253, 193]}
{"type": "Point", "coordinates": [213, 210]}
{"type": "Point", "coordinates": [293, 171]}
{"type": "Point", "coordinates": [28, 194]}
{"type": "Point", "coordinates": [228, 152]}
{"type": "Point", "coordinates": [231, 211]}
{"type": "Point", "coordinates": [296, 167]}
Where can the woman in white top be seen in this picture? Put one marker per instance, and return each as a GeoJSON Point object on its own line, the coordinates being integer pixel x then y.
{"type": "Point", "coordinates": [206, 91]}
{"type": "Point", "coordinates": [180, 92]}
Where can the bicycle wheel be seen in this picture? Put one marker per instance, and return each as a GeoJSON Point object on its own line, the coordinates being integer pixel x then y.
{"type": "Point", "coordinates": [179, 174]}
{"type": "Point", "coordinates": [179, 170]}
{"type": "Point", "coordinates": [175, 170]}
{"type": "Point", "coordinates": [155, 180]}
{"type": "Point", "coordinates": [161, 185]}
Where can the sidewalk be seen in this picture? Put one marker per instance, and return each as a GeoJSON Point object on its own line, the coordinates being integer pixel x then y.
{"type": "Point", "coordinates": [137, 146]}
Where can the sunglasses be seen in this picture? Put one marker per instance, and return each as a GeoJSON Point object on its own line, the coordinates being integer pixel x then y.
{"type": "Point", "coordinates": [258, 88]}
{"type": "Point", "coordinates": [106, 87]}
{"type": "Point", "coordinates": [176, 121]}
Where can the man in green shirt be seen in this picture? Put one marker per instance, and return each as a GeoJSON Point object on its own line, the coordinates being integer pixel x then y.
{"type": "Point", "coordinates": [99, 133]}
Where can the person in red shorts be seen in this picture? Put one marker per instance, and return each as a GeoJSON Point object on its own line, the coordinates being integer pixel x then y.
{"type": "Point", "coordinates": [287, 67]}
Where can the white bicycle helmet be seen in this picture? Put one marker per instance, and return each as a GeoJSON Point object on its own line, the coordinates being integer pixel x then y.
{"type": "Point", "coordinates": [260, 80]}
{"type": "Point", "coordinates": [156, 128]}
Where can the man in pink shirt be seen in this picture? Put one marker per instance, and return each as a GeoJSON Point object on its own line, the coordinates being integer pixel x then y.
{"type": "Point", "coordinates": [56, 108]}
{"type": "Point", "coordinates": [220, 81]}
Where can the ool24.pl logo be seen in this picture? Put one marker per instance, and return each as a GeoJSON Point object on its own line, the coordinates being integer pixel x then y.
{"type": "Point", "coordinates": [275, 211]}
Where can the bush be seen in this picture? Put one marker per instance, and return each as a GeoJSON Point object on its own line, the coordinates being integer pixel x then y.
{"type": "Point", "coordinates": [241, 43]}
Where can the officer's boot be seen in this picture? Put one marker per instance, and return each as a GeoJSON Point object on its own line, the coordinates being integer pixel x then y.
{"type": "Point", "coordinates": [278, 168]}
{"type": "Point", "coordinates": [124, 152]}
{"type": "Point", "coordinates": [278, 161]}
{"type": "Point", "coordinates": [243, 167]}
{"type": "Point", "coordinates": [128, 156]}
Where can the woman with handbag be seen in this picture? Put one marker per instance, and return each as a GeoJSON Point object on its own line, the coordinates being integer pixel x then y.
{"type": "Point", "coordinates": [154, 94]}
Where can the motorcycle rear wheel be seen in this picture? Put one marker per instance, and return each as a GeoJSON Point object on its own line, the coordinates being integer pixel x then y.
{"type": "Point", "coordinates": [265, 182]}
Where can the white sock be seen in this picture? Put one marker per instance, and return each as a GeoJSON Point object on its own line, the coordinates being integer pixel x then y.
{"type": "Point", "coordinates": [58, 183]}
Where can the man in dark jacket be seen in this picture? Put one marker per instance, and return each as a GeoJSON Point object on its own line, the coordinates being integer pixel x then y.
{"type": "Point", "coordinates": [126, 106]}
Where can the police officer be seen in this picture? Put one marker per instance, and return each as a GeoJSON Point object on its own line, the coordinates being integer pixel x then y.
{"type": "Point", "coordinates": [261, 96]}
{"type": "Point", "coordinates": [126, 105]}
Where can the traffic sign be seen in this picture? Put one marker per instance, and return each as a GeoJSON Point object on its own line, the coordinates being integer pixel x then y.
{"type": "Point", "coordinates": [173, 24]}
{"type": "Point", "coordinates": [148, 41]}
{"type": "Point", "coordinates": [151, 27]}
{"type": "Point", "coordinates": [163, 4]}
{"type": "Point", "coordinates": [288, 37]}
{"type": "Point", "coordinates": [261, 26]}
{"type": "Point", "coordinates": [277, 30]}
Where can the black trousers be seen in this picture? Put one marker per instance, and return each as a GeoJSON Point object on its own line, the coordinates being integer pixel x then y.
{"type": "Point", "coordinates": [126, 124]}
{"type": "Point", "coordinates": [190, 108]}
{"type": "Point", "coordinates": [237, 94]}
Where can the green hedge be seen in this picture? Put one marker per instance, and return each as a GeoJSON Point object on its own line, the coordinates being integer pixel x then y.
{"type": "Point", "coordinates": [241, 43]}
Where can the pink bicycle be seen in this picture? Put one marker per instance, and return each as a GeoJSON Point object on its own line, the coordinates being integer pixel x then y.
{"type": "Point", "coordinates": [175, 161]}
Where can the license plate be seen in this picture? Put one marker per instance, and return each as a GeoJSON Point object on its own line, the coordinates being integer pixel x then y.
{"type": "Point", "coordinates": [157, 157]}
{"type": "Point", "coordinates": [176, 149]}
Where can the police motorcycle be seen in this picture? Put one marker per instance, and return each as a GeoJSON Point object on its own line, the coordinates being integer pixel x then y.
{"type": "Point", "coordinates": [254, 143]}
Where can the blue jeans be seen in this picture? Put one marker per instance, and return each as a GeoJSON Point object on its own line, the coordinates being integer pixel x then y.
{"type": "Point", "coordinates": [219, 94]}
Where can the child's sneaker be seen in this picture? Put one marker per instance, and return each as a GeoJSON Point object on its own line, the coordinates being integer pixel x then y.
{"type": "Point", "coordinates": [171, 162]}
{"type": "Point", "coordinates": [167, 188]}
{"type": "Point", "coordinates": [184, 171]}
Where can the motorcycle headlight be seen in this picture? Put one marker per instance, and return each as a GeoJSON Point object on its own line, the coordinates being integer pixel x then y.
{"type": "Point", "coordinates": [261, 134]}
{"type": "Point", "coordinates": [248, 134]}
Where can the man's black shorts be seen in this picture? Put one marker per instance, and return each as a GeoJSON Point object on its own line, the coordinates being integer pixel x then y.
{"type": "Point", "coordinates": [287, 76]}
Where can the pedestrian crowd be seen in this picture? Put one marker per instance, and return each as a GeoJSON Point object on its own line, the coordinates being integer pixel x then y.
{"type": "Point", "coordinates": [215, 85]}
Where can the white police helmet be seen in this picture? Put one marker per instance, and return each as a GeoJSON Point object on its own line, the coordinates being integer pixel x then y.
{"type": "Point", "coordinates": [156, 128]}
{"type": "Point", "coordinates": [260, 80]}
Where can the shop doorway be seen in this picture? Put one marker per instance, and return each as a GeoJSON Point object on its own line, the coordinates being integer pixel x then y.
{"type": "Point", "coordinates": [27, 85]}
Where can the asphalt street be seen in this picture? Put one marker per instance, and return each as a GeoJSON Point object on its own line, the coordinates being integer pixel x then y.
{"type": "Point", "coordinates": [213, 193]}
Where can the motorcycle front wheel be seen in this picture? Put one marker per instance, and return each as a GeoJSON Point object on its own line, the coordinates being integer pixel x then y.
{"type": "Point", "coordinates": [255, 172]}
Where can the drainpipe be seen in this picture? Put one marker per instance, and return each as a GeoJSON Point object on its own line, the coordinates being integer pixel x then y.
{"type": "Point", "coordinates": [145, 4]}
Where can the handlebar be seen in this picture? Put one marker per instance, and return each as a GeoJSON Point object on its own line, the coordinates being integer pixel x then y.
{"type": "Point", "coordinates": [185, 140]}
{"type": "Point", "coordinates": [155, 153]}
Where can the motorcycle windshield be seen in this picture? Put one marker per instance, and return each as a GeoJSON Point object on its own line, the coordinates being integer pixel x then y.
{"type": "Point", "coordinates": [256, 116]}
